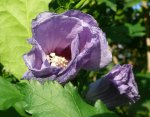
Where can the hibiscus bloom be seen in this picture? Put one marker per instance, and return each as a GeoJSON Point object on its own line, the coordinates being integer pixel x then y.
{"type": "Point", "coordinates": [116, 88]}
{"type": "Point", "coordinates": [63, 44]}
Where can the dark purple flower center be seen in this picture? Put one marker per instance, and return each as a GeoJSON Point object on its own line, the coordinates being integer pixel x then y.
{"type": "Point", "coordinates": [64, 52]}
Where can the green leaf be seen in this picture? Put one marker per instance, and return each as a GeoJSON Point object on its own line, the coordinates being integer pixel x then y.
{"type": "Point", "coordinates": [136, 30]}
{"type": "Point", "coordinates": [110, 3]}
{"type": "Point", "coordinates": [52, 100]}
{"type": "Point", "coordinates": [82, 3]}
{"type": "Point", "coordinates": [143, 75]}
{"type": "Point", "coordinates": [146, 104]}
{"type": "Point", "coordinates": [131, 3]}
{"type": "Point", "coordinates": [9, 95]}
{"type": "Point", "coordinates": [60, 6]}
{"type": "Point", "coordinates": [19, 107]}
{"type": "Point", "coordinates": [15, 28]}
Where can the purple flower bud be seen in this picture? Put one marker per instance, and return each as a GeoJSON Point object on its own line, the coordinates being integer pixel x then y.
{"type": "Point", "coordinates": [116, 88]}
{"type": "Point", "coordinates": [63, 44]}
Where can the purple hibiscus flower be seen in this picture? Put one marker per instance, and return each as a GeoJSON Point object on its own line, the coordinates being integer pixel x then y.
{"type": "Point", "coordinates": [63, 44]}
{"type": "Point", "coordinates": [116, 88]}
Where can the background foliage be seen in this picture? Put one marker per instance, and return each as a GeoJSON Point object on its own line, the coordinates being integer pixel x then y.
{"type": "Point", "coordinates": [127, 27]}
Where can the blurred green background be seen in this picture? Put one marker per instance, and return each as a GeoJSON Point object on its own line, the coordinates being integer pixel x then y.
{"type": "Point", "coordinates": [127, 27]}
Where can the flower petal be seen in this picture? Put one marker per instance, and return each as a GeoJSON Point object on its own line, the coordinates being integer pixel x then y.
{"type": "Point", "coordinates": [57, 31]}
{"type": "Point", "coordinates": [99, 55]}
{"type": "Point", "coordinates": [96, 51]}
{"type": "Point", "coordinates": [37, 62]}
{"type": "Point", "coordinates": [112, 92]}
{"type": "Point", "coordinates": [82, 16]}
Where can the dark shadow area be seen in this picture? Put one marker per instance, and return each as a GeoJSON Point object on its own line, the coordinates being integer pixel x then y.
{"type": "Point", "coordinates": [105, 115]}
{"type": "Point", "coordinates": [9, 113]}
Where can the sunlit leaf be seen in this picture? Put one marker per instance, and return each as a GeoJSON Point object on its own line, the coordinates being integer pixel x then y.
{"type": "Point", "coordinates": [15, 28]}
{"type": "Point", "coordinates": [55, 101]}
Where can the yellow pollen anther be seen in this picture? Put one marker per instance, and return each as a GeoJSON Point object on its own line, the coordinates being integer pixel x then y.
{"type": "Point", "coordinates": [57, 61]}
